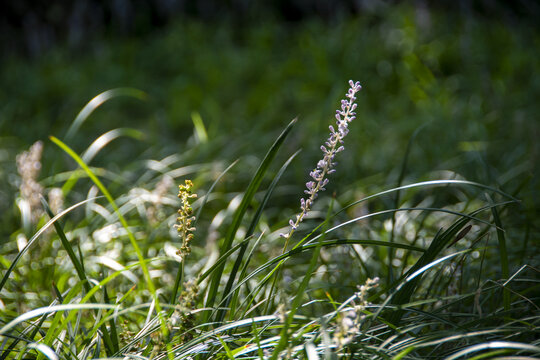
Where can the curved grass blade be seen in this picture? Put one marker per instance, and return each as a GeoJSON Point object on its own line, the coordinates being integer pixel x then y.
{"type": "Point", "coordinates": [470, 217]}
{"type": "Point", "coordinates": [392, 210]}
{"type": "Point", "coordinates": [412, 277]}
{"type": "Point", "coordinates": [183, 350]}
{"type": "Point", "coordinates": [106, 138]}
{"type": "Point", "coordinates": [439, 242]}
{"type": "Point", "coordinates": [279, 260]}
{"type": "Point", "coordinates": [429, 183]}
{"type": "Point", "coordinates": [36, 235]}
{"type": "Point", "coordinates": [44, 350]}
{"type": "Point", "coordinates": [96, 147]}
{"type": "Point", "coordinates": [98, 101]}
{"type": "Point", "coordinates": [111, 344]}
{"type": "Point", "coordinates": [36, 329]}
{"type": "Point", "coordinates": [49, 310]}
{"type": "Point", "coordinates": [103, 189]}
{"type": "Point", "coordinates": [494, 345]}
{"type": "Point", "coordinates": [240, 212]}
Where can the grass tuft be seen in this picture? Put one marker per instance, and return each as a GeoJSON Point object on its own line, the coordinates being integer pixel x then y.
{"type": "Point", "coordinates": [419, 270]}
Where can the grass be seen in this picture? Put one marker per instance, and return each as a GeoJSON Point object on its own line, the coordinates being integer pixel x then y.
{"type": "Point", "coordinates": [443, 300]}
{"type": "Point", "coordinates": [429, 252]}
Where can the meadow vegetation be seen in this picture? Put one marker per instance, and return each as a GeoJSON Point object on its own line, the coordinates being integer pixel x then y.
{"type": "Point", "coordinates": [170, 218]}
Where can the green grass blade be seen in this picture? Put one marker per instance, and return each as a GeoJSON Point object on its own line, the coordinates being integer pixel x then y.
{"type": "Point", "coordinates": [239, 214]}
{"type": "Point", "coordinates": [103, 189]}
{"type": "Point", "coordinates": [113, 336]}
{"type": "Point", "coordinates": [97, 101]}
{"type": "Point", "coordinates": [284, 334]}
{"type": "Point", "coordinates": [67, 246]}
{"type": "Point", "coordinates": [220, 261]}
{"type": "Point", "coordinates": [200, 130]}
{"type": "Point", "coordinates": [439, 242]}
{"type": "Point", "coordinates": [242, 275]}
{"type": "Point", "coordinates": [43, 350]}
{"type": "Point", "coordinates": [226, 347]}
{"type": "Point", "coordinates": [79, 268]}
{"type": "Point", "coordinates": [363, 217]}
{"type": "Point", "coordinates": [36, 236]}
{"type": "Point", "coordinates": [467, 352]}
{"type": "Point", "coordinates": [279, 260]}
{"type": "Point", "coordinates": [36, 329]}
{"type": "Point", "coordinates": [251, 229]}
{"type": "Point", "coordinates": [199, 211]}
{"type": "Point", "coordinates": [106, 138]}
{"type": "Point", "coordinates": [96, 147]}
{"type": "Point", "coordinates": [50, 310]}
{"type": "Point", "coordinates": [426, 184]}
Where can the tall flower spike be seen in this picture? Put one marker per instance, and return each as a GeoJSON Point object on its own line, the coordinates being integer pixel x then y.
{"type": "Point", "coordinates": [186, 217]}
{"type": "Point", "coordinates": [325, 166]}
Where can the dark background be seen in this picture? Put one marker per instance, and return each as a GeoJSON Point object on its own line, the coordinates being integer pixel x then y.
{"type": "Point", "coordinates": [32, 27]}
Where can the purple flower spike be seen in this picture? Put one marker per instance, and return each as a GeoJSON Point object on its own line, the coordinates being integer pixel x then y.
{"type": "Point", "coordinates": [326, 165]}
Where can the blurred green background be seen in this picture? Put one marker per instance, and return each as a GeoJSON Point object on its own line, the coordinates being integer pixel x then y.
{"type": "Point", "coordinates": [465, 75]}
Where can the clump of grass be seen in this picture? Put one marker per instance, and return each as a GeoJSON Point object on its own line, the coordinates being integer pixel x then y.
{"type": "Point", "coordinates": [450, 297]}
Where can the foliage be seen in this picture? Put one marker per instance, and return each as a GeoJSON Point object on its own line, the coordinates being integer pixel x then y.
{"type": "Point", "coordinates": [439, 261]}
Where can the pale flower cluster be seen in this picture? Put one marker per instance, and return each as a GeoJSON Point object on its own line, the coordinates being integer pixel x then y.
{"type": "Point", "coordinates": [326, 165]}
{"type": "Point", "coordinates": [29, 167]}
{"type": "Point", "coordinates": [348, 324]}
{"type": "Point", "coordinates": [185, 218]}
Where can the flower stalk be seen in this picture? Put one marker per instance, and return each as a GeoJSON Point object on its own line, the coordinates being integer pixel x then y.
{"type": "Point", "coordinates": [326, 165]}
{"type": "Point", "coordinates": [185, 218]}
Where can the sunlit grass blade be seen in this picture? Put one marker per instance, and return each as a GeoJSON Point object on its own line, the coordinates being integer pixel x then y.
{"type": "Point", "coordinates": [428, 184]}
{"type": "Point", "coordinates": [96, 147]}
{"type": "Point", "coordinates": [508, 345]}
{"type": "Point", "coordinates": [58, 325]}
{"type": "Point", "coordinates": [471, 217]}
{"type": "Point", "coordinates": [307, 240]}
{"type": "Point", "coordinates": [51, 310]}
{"type": "Point", "coordinates": [240, 212]}
{"type": "Point", "coordinates": [394, 305]}
{"type": "Point", "coordinates": [98, 101]}
{"type": "Point", "coordinates": [102, 141]}
{"type": "Point", "coordinates": [43, 350]}
{"type": "Point", "coordinates": [33, 329]}
{"type": "Point", "coordinates": [36, 236]}
{"type": "Point", "coordinates": [123, 221]}
{"type": "Point", "coordinates": [197, 345]}
{"type": "Point", "coordinates": [67, 246]}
